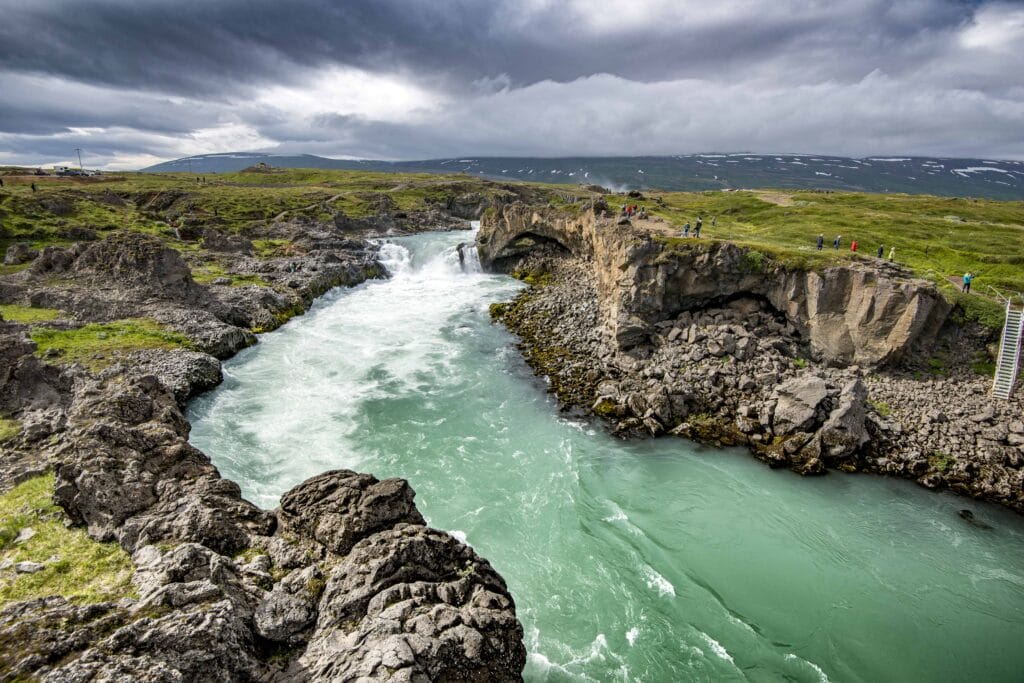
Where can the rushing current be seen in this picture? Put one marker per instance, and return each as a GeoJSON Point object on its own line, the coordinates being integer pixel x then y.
{"type": "Point", "coordinates": [653, 560]}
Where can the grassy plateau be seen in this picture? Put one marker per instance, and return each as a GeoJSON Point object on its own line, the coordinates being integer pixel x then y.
{"type": "Point", "coordinates": [938, 238]}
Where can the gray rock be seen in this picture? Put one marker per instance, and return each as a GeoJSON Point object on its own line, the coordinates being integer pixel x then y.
{"type": "Point", "coordinates": [799, 403]}
{"type": "Point", "coordinates": [414, 603]}
{"type": "Point", "coordinates": [25, 534]}
{"type": "Point", "coordinates": [27, 567]}
{"type": "Point", "coordinates": [845, 431]}
{"type": "Point", "coordinates": [19, 253]}
{"type": "Point", "coordinates": [340, 507]}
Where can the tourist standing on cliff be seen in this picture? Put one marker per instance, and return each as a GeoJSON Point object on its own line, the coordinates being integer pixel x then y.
{"type": "Point", "coordinates": [968, 276]}
{"type": "Point", "coordinates": [33, 187]}
{"type": "Point", "coordinates": [892, 253]}
{"type": "Point", "coordinates": [881, 250]}
{"type": "Point", "coordinates": [853, 246]}
{"type": "Point", "coordinates": [696, 227]}
{"type": "Point", "coordinates": [836, 242]}
{"type": "Point", "coordinates": [821, 242]}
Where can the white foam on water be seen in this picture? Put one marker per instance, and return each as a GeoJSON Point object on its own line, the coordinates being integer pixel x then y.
{"type": "Point", "coordinates": [822, 678]}
{"type": "Point", "coordinates": [656, 581]}
{"type": "Point", "coordinates": [459, 534]}
{"type": "Point", "coordinates": [717, 648]}
{"type": "Point", "coordinates": [631, 635]}
{"type": "Point", "coordinates": [742, 624]}
{"type": "Point", "coordinates": [617, 514]}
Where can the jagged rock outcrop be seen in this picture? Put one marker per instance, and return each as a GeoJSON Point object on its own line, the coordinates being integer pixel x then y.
{"type": "Point", "coordinates": [413, 603]}
{"type": "Point", "coordinates": [127, 472]}
{"type": "Point", "coordinates": [344, 581]}
{"type": "Point", "coordinates": [339, 508]}
{"type": "Point", "coordinates": [853, 314]}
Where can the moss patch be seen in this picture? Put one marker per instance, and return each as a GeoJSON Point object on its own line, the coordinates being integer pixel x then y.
{"type": "Point", "coordinates": [207, 273]}
{"type": "Point", "coordinates": [27, 314]}
{"type": "Point", "coordinates": [881, 407]}
{"type": "Point", "coordinates": [939, 461]}
{"type": "Point", "coordinates": [84, 570]}
{"type": "Point", "coordinates": [9, 429]}
{"type": "Point", "coordinates": [99, 344]}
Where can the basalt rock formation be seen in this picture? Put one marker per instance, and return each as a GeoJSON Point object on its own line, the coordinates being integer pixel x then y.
{"type": "Point", "coordinates": [714, 342]}
{"type": "Point", "coordinates": [343, 582]}
{"type": "Point", "coordinates": [867, 315]}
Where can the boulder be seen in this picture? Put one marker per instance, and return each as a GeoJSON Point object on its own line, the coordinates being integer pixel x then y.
{"type": "Point", "coordinates": [340, 507]}
{"type": "Point", "coordinates": [19, 253]}
{"type": "Point", "coordinates": [127, 471]}
{"type": "Point", "coordinates": [139, 261]}
{"type": "Point", "coordinates": [290, 608]}
{"type": "Point", "coordinates": [799, 404]}
{"type": "Point", "coordinates": [845, 431]}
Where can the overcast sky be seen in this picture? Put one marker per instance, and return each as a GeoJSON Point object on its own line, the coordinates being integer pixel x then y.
{"type": "Point", "coordinates": [134, 82]}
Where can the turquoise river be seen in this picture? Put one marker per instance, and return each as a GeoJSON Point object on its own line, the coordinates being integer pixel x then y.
{"type": "Point", "coordinates": [651, 560]}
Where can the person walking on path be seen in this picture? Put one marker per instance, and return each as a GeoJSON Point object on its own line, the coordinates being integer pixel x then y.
{"type": "Point", "coordinates": [881, 250]}
{"type": "Point", "coordinates": [892, 253]}
{"type": "Point", "coordinates": [836, 242]}
{"type": "Point", "coordinates": [696, 227]}
{"type": "Point", "coordinates": [853, 246]}
{"type": "Point", "coordinates": [33, 187]}
{"type": "Point", "coordinates": [821, 242]}
{"type": "Point", "coordinates": [686, 229]}
{"type": "Point", "coordinates": [968, 276]}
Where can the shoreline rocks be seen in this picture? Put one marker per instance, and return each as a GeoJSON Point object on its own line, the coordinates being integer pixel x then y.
{"type": "Point", "coordinates": [615, 328]}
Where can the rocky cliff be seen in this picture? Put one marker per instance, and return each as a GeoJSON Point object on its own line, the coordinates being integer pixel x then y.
{"type": "Point", "coordinates": [708, 340]}
{"type": "Point", "coordinates": [861, 314]}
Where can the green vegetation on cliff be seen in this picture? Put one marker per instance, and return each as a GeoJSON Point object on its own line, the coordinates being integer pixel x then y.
{"type": "Point", "coordinates": [9, 429]}
{"type": "Point", "coordinates": [73, 565]}
{"type": "Point", "coordinates": [97, 345]}
{"type": "Point", "coordinates": [27, 314]}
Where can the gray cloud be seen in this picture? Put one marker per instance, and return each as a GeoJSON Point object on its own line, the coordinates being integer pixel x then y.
{"type": "Point", "coordinates": [394, 79]}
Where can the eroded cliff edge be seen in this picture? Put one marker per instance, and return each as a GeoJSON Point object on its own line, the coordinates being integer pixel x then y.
{"type": "Point", "coordinates": [709, 340]}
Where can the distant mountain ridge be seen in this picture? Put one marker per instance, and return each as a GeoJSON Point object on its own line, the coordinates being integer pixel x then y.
{"type": "Point", "coordinates": [913, 175]}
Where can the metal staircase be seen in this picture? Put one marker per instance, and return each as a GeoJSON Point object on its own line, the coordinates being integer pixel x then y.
{"type": "Point", "coordinates": [1008, 362]}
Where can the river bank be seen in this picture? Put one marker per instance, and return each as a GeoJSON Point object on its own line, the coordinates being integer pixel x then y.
{"type": "Point", "coordinates": [856, 369]}
{"type": "Point", "coordinates": [342, 580]}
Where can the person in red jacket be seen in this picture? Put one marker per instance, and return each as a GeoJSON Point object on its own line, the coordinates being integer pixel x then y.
{"type": "Point", "coordinates": [853, 245]}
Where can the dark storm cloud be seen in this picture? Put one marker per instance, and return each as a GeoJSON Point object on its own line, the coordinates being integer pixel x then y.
{"type": "Point", "coordinates": [212, 48]}
{"type": "Point", "coordinates": [408, 79]}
